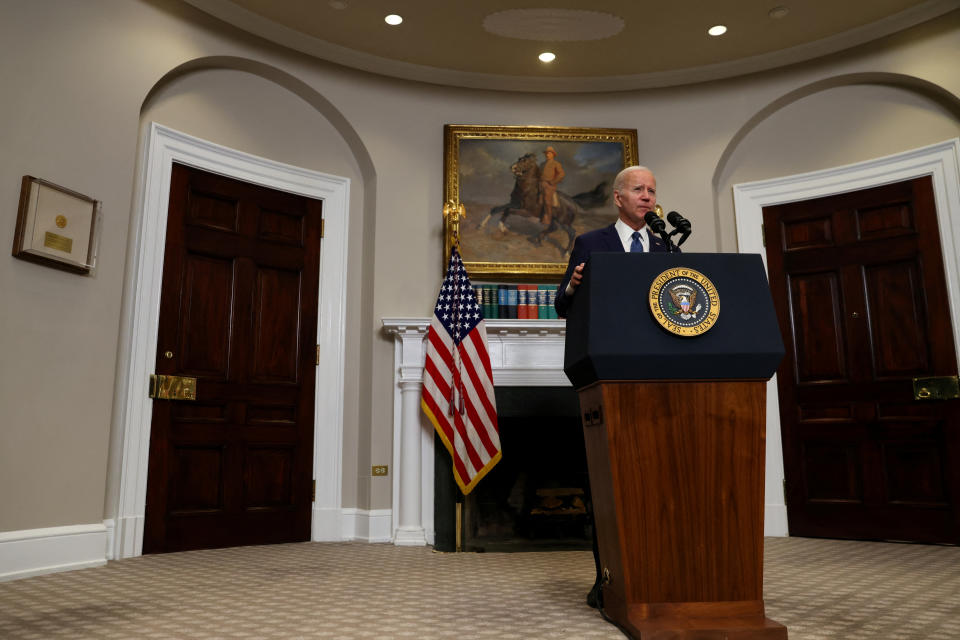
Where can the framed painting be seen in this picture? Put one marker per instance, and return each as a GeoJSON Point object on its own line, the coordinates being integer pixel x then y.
{"type": "Point", "coordinates": [57, 227]}
{"type": "Point", "coordinates": [527, 192]}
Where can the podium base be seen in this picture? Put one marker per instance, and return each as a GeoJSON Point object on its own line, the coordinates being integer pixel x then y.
{"type": "Point", "coordinates": [738, 620]}
{"type": "Point", "coordinates": [705, 629]}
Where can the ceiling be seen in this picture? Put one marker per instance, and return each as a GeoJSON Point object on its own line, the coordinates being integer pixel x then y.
{"type": "Point", "coordinates": [600, 45]}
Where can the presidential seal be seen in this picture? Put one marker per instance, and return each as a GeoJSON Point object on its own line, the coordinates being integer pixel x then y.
{"type": "Point", "coordinates": [684, 302]}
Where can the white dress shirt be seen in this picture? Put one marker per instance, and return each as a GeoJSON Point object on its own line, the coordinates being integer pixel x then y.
{"type": "Point", "coordinates": [626, 236]}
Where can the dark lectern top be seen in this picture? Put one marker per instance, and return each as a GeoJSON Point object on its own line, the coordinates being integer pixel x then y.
{"type": "Point", "coordinates": [612, 335]}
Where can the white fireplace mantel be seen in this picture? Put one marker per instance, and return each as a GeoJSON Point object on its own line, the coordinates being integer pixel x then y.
{"type": "Point", "coordinates": [523, 353]}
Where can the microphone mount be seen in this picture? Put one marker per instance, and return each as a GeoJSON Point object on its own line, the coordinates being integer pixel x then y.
{"type": "Point", "coordinates": [658, 226]}
{"type": "Point", "coordinates": [681, 225]}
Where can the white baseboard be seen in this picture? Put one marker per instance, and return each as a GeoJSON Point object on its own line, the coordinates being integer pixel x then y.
{"type": "Point", "coordinates": [775, 521]}
{"type": "Point", "coordinates": [34, 552]}
{"type": "Point", "coordinates": [367, 525]}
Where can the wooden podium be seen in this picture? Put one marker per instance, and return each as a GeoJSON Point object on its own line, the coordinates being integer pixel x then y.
{"type": "Point", "coordinates": [675, 439]}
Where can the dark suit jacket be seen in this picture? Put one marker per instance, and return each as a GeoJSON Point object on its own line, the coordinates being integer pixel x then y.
{"type": "Point", "coordinates": [605, 239]}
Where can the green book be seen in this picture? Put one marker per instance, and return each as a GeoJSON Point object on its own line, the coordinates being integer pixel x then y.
{"type": "Point", "coordinates": [543, 293]}
{"type": "Point", "coordinates": [551, 297]}
{"type": "Point", "coordinates": [487, 302]}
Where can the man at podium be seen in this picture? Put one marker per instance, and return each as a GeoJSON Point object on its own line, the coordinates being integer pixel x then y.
{"type": "Point", "coordinates": [673, 413]}
{"type": "Point", "coordinates": [635, 194]}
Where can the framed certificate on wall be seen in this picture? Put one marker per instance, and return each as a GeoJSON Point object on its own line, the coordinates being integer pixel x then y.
{"type": "Point", "coordinates": [57, 227]}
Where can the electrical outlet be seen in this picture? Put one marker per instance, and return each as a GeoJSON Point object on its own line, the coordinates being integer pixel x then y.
{"type": "Point", "coordinates": [379, 470]}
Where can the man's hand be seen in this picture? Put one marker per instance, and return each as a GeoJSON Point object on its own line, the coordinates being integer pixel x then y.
{"type": "Point", "coordinates": [575, 279]}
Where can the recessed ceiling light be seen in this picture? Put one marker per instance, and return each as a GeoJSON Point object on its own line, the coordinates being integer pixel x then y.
{"type": "Point", "coordinates": [779, 12]}
{"type": "Point", "coordinates": [546, 56]}
{"type": "Point", "coordinates": [717, 30]}
{"type": "Point", "coordinates": [338, 4]}
{"type": "Point", "coordinates": [393, 19]}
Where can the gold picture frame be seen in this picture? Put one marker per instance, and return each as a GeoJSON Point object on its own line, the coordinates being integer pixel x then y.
{"type": "Point", "coordinates": [489, 171]}
{"type": "Point", "coordinates": [57, 227]}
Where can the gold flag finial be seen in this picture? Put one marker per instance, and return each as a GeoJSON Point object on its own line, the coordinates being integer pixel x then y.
{"type": "Point", "coordinates": [452, 212]}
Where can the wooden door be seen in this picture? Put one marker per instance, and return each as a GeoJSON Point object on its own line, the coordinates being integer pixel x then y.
{"type": "Point", "coordinates": [858, 282]}
{"type": "Point", "coordinates": [238, 311]}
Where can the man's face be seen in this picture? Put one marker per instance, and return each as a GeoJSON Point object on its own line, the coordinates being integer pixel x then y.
{"type": "Point", "coordinates": [637, 196]}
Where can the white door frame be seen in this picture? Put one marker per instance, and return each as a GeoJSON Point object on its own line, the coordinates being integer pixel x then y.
{"type": "Point", "coordinates": [941, 161]}
{"type": "Point", "coordinates": [141, 313]}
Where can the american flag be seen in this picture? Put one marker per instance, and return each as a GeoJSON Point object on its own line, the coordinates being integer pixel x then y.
{"type": "Point", "coordinates": [457, 380]}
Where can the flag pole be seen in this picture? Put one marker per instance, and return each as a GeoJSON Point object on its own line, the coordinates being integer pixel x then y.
{"type": "Point", "coordinates": [457, 395]}
{"type": "Point", "coordinates": [453, 212]}
{"type": "Point", "coordinates": [459, 527]}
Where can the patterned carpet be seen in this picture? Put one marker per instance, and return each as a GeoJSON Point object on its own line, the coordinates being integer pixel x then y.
{"type": "Point", "coordinates": [820, 589]}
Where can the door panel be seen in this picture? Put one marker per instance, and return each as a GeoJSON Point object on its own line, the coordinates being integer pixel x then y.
{"type": "Point", "coordinates": [860, 292]}
{"type": "Point", "coordinates": [206, 314]}
{"type": "Point", "coordinates": [197, 479]}
{"type": "Point", "coordinates": [275, 326]}
{"type": "Point", "coordinates": [238, 311]}
{"type": "Point", "coordinates": [900, 341]}
{"type": "Point", "coordinates": [268, 476]}
{"type": "Point", "coordinates": [818, 331]}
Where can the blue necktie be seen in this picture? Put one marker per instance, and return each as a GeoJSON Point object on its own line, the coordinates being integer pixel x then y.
{"type": "Point", "coordinates": [636, 246]}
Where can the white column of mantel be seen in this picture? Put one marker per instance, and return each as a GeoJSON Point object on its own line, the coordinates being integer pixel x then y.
{"type": "Point", "coordinates": [410, 531]}
{"type": "Point", "coordinates": [522, 353]}
{"type": "Point", "coordinates": [408, 463]}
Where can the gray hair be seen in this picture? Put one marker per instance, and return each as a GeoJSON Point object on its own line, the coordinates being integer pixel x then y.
{"type": "Point", "coordinates": [622, 176]}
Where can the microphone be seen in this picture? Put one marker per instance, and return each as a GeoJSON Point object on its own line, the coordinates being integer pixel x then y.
{"type": "Point", "coordinates": [679, 222]}
{"type": "Point", "coordinates": [680, 225]}
{"type": "Point", "coordinates": [658, 226]}
{"type": "Point", "coordinates": [655, 222]}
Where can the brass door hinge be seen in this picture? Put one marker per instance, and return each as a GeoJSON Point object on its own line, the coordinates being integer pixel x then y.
{"type": "Point", "coordinates": [318, 355]}
{"type": "Point", "coordinates": [313, 492]}
{"type": "Point", "coordinates": [323, 224]}
{"type": "Point", "coordinates": [763, 234]}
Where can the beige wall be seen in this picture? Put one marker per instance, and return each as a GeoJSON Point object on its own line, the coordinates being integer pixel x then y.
{"type": "Point", "coordinates": [830, 128]}
{"type": "Point", "coordinates": [76, 77]}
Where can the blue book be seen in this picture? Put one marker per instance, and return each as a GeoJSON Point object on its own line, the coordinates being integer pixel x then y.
{"type": "Point", "coordinates": [511, 295]}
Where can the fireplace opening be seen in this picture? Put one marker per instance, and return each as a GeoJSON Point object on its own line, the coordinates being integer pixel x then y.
{"type": "Point", "coordinates": [536, 497]}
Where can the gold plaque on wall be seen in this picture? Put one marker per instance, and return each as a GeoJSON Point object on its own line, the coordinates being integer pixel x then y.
{"type": "Point", "coordinates": [56, 226]}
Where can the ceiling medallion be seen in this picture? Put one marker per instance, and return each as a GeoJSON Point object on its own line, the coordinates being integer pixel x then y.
{"type": "Point", "coordinates": [553, 25]}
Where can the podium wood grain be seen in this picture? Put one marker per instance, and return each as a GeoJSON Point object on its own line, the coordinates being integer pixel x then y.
{"type": "Point", "coordinates": [677, 477]}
